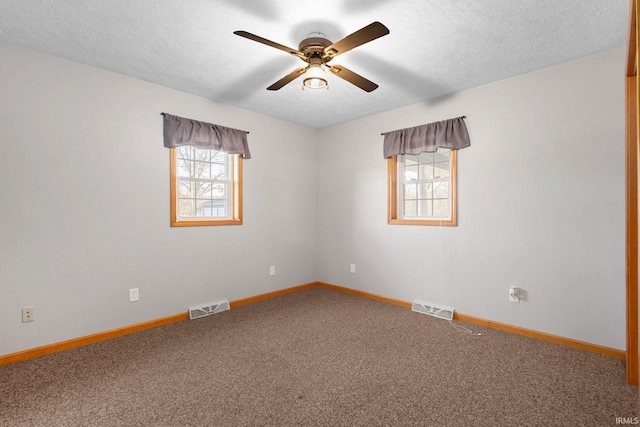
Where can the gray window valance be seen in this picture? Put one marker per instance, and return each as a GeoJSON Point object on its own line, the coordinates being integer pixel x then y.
{"type": "Point", "coordinates": [451, 134]}
{"type": "Point", "coordinates": [179, 131]}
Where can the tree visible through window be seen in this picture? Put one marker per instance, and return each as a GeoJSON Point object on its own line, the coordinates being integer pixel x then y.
{"type": "Point", "coordinates": [206, 187]}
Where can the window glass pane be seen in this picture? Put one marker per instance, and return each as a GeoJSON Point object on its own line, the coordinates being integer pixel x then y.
{"type": "Point", "coordinates": [185, 189]}
{"type": "Point", "coordinates": [410, 207]}
{"type": "Point", "coordinates": [184, 152]}
{"type": "Point", "coordinates": [186, 207]}
{"type": "Point", "coordinates": [410, 191]}
{"type": "Point", "coordinates": [411, 173]}
{"type": "Point", "coordinates": [410, 159]}
{"type": "Point", "coordinates": [425, 171]}
{"type": "Point", "coordinates": [441, 170]}
{"type": "Point", "coordinates": [442, 155]}
{"type": "Point", "coordinates": [201, 154]}
{"type": "Point", "coordinates": [441, 208]}
{"type": "Point", "coordinates": [185, 167]}
{"type": "Point", "coordinates": [203, 190]}
{"type": "Point", "coordinates": [441, 190]}
{"type": "Point", "coordinates": [424, 207]}
{"type": "Point", "coordinates": [218, 171]}
{"type": "Point", "coordinates": [426, 157]}
{"type": "Point", "coordinates": [212, 208]}
{"type": "Point", "coordinates": [219, 157]}
{"type": "Point", "coordinates": [202, 170]}
{"type": "Point", "coordinates": [219, 191]}
{"type": "Point", "coordinates": [425, 190]}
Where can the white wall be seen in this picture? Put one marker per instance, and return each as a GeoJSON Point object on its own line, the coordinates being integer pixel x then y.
{"type": "Point", "coordinates": [85, 204]}
{"type": "Point", "coordinates": [541, 205]}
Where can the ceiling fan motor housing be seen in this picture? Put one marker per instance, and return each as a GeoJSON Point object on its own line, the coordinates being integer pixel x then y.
{"type": "Point", "coordinates": [314, 46]}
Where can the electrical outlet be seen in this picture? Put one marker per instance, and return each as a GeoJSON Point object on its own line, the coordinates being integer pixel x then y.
{"type": "Point", "coordinates": [514, 294]}
{"type": "Point", "coordinates": [134, 295]}
{"type": "Point", "coordinates": [272, 270]}
{"type": "Point", "coordinates": [353, 268]}
{"type": "Point", "coordinates": [28, 314]}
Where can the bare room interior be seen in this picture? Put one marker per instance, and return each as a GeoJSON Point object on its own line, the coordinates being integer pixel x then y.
{"type": "Point", "coordinates": [318, 289]}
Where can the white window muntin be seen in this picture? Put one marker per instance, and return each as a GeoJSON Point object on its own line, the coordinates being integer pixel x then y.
{"type": "Point", "coordinates": [414, 179]}
{"type": "Point", "coordinates": [204, 184]}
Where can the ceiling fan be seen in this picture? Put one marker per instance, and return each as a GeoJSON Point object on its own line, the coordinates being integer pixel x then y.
{"type": "Point", "coordinates": [317, 51]}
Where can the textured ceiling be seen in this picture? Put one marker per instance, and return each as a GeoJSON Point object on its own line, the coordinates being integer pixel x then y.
{"type": "Point", "coordinates": [435, 47]}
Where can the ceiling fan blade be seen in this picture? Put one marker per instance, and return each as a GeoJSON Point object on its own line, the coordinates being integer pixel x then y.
{"type": "Point", "coordinates": [360, 37]}
{"type": "Point", "coordinates": [269, 43]}
{"type": "Point", "coordinates": [287, 79]}
{"type": "Point", "coordinates": [353, 78]}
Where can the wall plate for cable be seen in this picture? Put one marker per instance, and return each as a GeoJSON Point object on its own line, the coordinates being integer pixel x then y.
{"type": "Point", "coordinates": [28, 314]}
{"type": "Point", "coordinates": [208, 309]}
{"type": "Point", "coordinates": [435, 310]}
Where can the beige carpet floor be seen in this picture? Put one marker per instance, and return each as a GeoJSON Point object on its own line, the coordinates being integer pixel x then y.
{"type": "Point", "coordinates": [317, 358]}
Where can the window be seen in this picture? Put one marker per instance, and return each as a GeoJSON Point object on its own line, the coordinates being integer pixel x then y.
{"type": "Point", "coordinates": [206, 187]}
{"type": "Point", "coordinates": [422, 188]}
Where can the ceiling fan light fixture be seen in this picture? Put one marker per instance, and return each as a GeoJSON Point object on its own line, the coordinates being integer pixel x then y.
{"type": "Point", "coordinates": [315, 77]}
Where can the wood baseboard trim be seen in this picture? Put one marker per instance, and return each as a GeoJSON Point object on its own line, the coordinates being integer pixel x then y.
{"type": "Point", "coordinates": [273, 294]}
{"type": "Point", "coordinates": [569, 342]}
{"type": "Point", "coordinates": [89, 339]}
{"type": "Point", "coordinates": [126, 330]}
{"type": "Point", "coordinates": [401, 303]}
{"type": "Point", "coordinates": [593, 348]}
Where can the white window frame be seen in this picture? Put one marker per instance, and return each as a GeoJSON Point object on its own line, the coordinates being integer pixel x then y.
{"type": "Point", "coordinates": [395, 215]}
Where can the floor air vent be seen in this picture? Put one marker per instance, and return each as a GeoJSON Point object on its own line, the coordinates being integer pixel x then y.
{"type": "Point", "coordinates": [208, 309]}
{"type": "Point", "coordinates": [435, 310]}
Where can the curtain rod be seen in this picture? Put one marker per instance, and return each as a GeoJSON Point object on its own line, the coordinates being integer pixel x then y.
{"type": "Point", "coordinates": [461, 117]}
{"type": "Point", "coordinates": [162, 114]}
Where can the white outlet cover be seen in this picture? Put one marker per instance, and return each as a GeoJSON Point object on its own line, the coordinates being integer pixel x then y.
{"type": "Point", "coordinates": [272, 270]}
{"type": "Point", "coordinates": [514, 294]}
{"type": "Point", "coordinates": [134, 295]}
{"type": "Point", "coordinates": [353, 268]}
